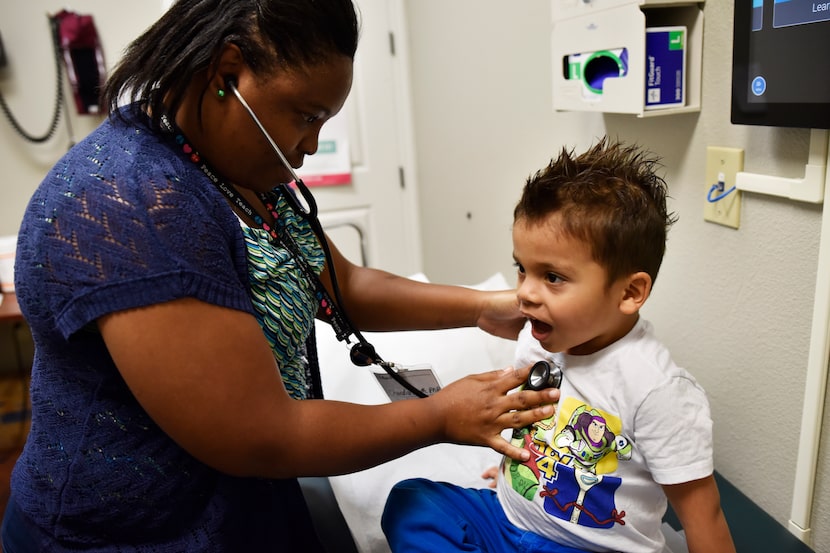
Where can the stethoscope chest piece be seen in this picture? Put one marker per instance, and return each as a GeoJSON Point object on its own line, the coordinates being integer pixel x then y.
{"type": "Point", "coordinates": [544, 374]}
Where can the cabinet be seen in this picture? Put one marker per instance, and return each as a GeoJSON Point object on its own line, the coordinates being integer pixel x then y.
{"type": "Point", "coordinates": [16, 351]}
{"type": "Point", "coordinates": [614, 32]}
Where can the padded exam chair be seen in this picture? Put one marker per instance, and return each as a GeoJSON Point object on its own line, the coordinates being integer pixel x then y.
{"type": "Point", "coordinates": [753, 529]}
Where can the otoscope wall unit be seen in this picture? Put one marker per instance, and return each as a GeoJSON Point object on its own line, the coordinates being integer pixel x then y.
{"type": "Point", "coordinates": [640, 57]}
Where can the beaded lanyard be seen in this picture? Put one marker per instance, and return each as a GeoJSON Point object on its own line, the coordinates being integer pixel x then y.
{"type": "Point", "coordinates": [328, 307]}
{"type": "Point", "coordinates": [362, 353]}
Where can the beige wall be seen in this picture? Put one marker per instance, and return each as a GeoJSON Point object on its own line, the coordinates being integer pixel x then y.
{"type": "Point", "coordinates": [734, 306]}
{"type": "Point", "coordinates": [28, 86]}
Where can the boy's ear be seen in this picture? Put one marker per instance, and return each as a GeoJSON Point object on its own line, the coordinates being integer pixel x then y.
{"type": "Point", "coordinates": [635, 293]}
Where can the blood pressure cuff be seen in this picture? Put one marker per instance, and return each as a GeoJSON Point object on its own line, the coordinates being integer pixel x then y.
{"type": "Point", "coordinates": [83, 56]}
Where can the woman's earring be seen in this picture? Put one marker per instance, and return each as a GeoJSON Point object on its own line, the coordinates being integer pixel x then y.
{"type": "Point", "coordinates": [220, 93]}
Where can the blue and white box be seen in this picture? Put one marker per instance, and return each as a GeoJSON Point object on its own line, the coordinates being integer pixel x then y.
{"type": "Point", "coordinates": [665, 67]}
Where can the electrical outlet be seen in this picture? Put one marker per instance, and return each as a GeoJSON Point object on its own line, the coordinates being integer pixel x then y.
{"type": "Point", "coordinates": [722, 166]}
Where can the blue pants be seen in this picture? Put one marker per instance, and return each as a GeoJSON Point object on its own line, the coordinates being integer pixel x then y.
{"type": "Point", "coordinates": [426, 516]}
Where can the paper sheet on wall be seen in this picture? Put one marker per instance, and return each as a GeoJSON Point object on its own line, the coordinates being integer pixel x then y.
{"type": "Point", "coordinates": [331, 165]}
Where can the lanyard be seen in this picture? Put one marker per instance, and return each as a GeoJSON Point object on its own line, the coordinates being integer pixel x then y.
{"type": "Point", "coordinates": [342, 328]}
{"type": "Point", "coordinates": [362, 353]}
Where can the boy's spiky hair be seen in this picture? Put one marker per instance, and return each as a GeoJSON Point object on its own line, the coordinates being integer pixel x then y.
{"type": "Point", "coordinates": [612, 198]}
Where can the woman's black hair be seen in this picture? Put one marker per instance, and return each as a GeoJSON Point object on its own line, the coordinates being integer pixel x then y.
{"type": "Point", "coordinates": [158, 66]}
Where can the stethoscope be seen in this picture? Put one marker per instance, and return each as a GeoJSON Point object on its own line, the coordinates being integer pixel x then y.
{"type": "Point", "coordinates": [362, 353]}
{"type": "Point", "coordinates": [544, 374]}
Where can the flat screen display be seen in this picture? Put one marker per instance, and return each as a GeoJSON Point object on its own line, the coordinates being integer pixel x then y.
{"type": "Point", "coordinates": [781, 63]}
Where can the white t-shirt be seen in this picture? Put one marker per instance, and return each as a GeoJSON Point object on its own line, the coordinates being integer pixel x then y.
{"type": "Point", "coordinates": [628, 420]}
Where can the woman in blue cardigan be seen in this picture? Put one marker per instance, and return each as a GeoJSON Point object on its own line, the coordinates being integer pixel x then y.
{"type": "Point", "coordinates": [171, 288]}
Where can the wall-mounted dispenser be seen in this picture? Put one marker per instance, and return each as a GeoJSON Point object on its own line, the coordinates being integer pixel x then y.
{"type": "Point", "coordinates": [591, 69]}
{"type": "Point", "coordinates": [641, 57]}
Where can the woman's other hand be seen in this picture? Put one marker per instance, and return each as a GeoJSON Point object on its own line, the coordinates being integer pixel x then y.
{"type": "Point", "coordinates": [500, 314]}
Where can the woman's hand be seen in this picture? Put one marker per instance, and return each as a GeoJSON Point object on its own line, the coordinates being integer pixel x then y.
{"type": "Point", "coordinates": [500, 314]}
{"type": "Point", "coordinates": [477, 408]}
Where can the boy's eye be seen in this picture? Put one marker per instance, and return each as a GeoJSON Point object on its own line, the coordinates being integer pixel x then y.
{"type": "Point", "coordinates": [519, 267]}
{"type": "Point", "coordinates": [553, 278]}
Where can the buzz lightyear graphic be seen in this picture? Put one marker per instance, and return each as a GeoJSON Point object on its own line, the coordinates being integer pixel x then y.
{"type": "Point", "coordinates": [571, 454]}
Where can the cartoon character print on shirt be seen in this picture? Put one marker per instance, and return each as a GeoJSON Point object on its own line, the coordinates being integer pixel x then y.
{"type": "Point", "coordinates": [571, 456]}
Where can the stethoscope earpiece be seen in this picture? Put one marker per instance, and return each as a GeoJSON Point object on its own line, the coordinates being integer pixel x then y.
{"type": "Point", "coordinates": [230, 81]}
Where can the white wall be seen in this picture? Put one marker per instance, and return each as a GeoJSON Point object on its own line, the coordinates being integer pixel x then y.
{"type": "Point", "coordinates": [28, 86]}
{"type": "Point", "coordinates": [734, 306]}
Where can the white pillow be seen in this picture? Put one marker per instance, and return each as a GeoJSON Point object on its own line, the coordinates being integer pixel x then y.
{"type": "Point", "coordinates": [453, 354]}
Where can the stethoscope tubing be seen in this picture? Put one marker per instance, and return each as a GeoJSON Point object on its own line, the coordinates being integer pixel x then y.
{"type": "Point", "coordinates": [363, 349]}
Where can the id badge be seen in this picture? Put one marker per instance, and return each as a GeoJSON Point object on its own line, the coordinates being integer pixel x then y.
{"type": "Point", "coordinates": [421, 377]}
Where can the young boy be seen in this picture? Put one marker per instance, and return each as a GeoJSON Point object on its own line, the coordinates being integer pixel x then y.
{"type": "Point", "coordinates": [631, 428]}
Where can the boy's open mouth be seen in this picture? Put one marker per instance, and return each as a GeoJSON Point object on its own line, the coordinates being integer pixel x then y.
{"type": "Point", "coordinates": [540, 329]}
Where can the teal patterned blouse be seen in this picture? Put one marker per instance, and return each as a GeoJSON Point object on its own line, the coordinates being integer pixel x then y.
{"type": "Point", "coordinates": [283, 297]}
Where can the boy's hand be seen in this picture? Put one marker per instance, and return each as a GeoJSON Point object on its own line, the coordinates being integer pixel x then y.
{"type": "Point", "coordinates": [491, 474]}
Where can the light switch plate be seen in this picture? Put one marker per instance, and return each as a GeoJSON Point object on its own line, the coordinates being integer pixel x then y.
{"type": "Point", "coordinates": [725, 163]}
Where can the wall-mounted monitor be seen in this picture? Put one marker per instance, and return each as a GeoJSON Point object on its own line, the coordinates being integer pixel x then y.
{"type": "Point", "coordinates": [781, 63]}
